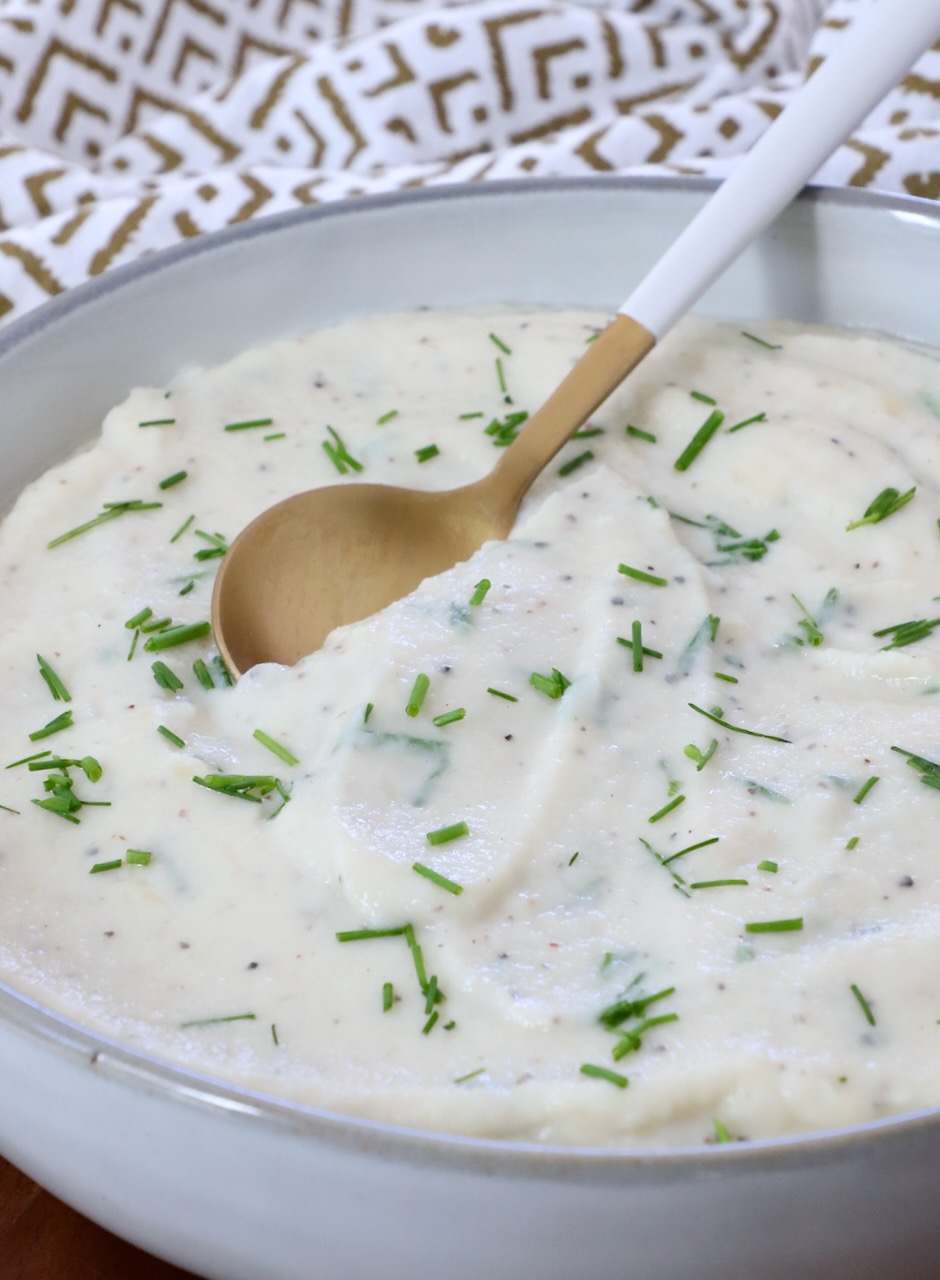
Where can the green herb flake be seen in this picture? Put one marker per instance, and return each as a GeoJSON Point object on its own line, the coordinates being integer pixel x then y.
{"type": "Point", "coordinates": [274, 1035]}
{"type": "Point", "coordinates": [111, 512]}
{"type": "Point", "coordinates": [466, 417]}
{"type": "Point", "coordinates": [768, 865]}
{"type": "Point", "coordinates": [212, 1022]}
{"type": "Point", "coordinates": [105, 866]}
{"type": "Point", "coordinates": [499, 343]}
{"type": "Point", "coordinates": [202, 674]}
{"type": "Point", "coordinates": [249, 425]}
{"type": "Point", "coordinates": [641, 576]}
{"type": "Point", "coordinates": [339, 455]}
{"type": "Point", "coordinates": [722, 1133]}
{"type": "Point", "coordinates": [277, 748]}
{"type": "Point", "coordinates": [370, 707]}
{"type": "Point", "coordinates": [170, 736]}
{"type": "Point", "coordinates": [751, 733]}
{"type": "Point", "coordinates": [704, 399]}
{"type": "Point", "coordinates": [865, 1006]}
{"type": "Point", "coordinates": [429, 1025]}
{"type": "Point", "coordinates": [638, 434]}
{"type": "Point", "coordinates": [427, 452]}
{"type": "Point", "coordinates": [864, 790]}
{"type": "Point", "coordinates": [138, 619]}
{"type": "Point", "coordinates": [636, 644]}
{"type": "Point", "coordinates": [449, 717]}
{"type": "Point", "coordinates": [722, 675]}
{"type": "Point", "coordinates": [793, 925]}
{"type": "Point", "coordinates": [573, 464]}
{"type": "Point", "coordinates": [418, 694]}
{"type": "Point", "coordinates": [388, 991]}
{"type": "Point", "coordinates": [699, 440]}
{"type": "Point", "coordinates": [574, 857]}
{"type": "Point", "coordinates": [138, 857]}
{"type": "Point", "coordinates": [56, 687]}
{"type": "Point", "coordinates": [171, 481]}
{"type": "Point", "coordinates": [748, 422]}
{"type": "Point", "coordinates": [386, 417]}
{"type": "Point", "coordinates": [64, 721]}
{"type": "Point", "coordinates": [471, 1075]}
{"type": "Point", "coordinates": [28, 759]}
{"type": "Point", "coordinates": [886, 504]}
{"type": "Point", "coordinates": [702, 844]}
{"type": "Point", "coordinates": [444, 834]}
{"type": "Point", "coordinates": [645, 650]}
{"type": "Point", "coordinates": [275, 435]}
{"type": "Point", "coordinates": [364, 935]}
{"type": "Point", "coordinates": [173, 636]}
{"type": "Point", "coordinates": [480, 590]}
{"type": "Point", "coordinates": [166, 678]}
{"type": "Point", "coordinates": [182, 529]}
{"type": "Point", "coordinates": [552, 686]}
{"type": "Point", "coordinates": [761, 342]}
{"type": "Point", "coordinates": [905, 633]}
{"type": "Point", "coordinates": [667, 808]}
{"type": "Point", "coordinates": [158, 422]}
{"type": "Point", "coordinates": [604, 1073]}
{"type": "Point", "coordinates": [716, 884]}
{"type": "Point", "coordinates": [498, 693]}
{"type": "Point", "coordinates": [852, 843]}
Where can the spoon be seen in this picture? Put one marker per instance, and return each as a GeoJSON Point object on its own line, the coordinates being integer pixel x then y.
{"type": "Point", "coordinates": [334, 555]}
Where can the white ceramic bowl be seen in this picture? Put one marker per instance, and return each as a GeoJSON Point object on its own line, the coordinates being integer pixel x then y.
{"type": "Point", "coordinates": [241, 1187]}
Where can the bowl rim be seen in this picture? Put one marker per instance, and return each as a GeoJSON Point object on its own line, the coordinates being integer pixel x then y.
{"type": "Point", "coordinates": [122, 1063]}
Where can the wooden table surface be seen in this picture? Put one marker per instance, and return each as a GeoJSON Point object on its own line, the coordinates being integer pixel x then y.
{"type": "Point", "coordinates": [42, 1239]}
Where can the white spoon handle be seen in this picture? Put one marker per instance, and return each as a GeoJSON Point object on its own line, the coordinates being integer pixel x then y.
{"type": "Point", "coordinates": [871, 58]}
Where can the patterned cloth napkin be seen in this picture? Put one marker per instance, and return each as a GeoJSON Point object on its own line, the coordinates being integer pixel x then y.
{"type": "Point", "coordinates": [128, 125]}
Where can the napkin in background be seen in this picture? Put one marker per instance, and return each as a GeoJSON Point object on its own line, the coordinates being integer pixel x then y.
{"type": "Point", "coordinates": [129, 125]}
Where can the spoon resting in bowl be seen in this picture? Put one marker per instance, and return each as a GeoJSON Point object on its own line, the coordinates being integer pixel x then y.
{"type": "Point", "coordinates": [333, 555]}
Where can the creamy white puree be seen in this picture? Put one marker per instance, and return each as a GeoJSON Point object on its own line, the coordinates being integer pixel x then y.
{"type": "Point", "coordinates": [238, 911]}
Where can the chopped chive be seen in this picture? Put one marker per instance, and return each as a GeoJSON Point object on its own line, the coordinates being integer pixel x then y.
{"type": "Point", "coordinates": [138, 619]}
{"type": "Point", "coordinates": [449, 717]}
{"type": "Point", "coordinates": [641, 576]}
{"type": "Point", "coordinates": [386, 417]}
{"type": "Point", "coordinates": [339, 455]}
{"type": "Point", "coordinates": [418, 694]}
{"type": "Point", "coordinates": [202, 674]}
{"type": "Point", "coordinates": [864, 790]}
{"type": "Point", "coordinates": [133, 649]}
{"type": "Point", "coordinates": [427, 452]}
{"type": "Point", "coordinates": [370, 707]}
{"type": "Point", "coordinates": [275, 435]}
{"type": "Point", "coordinates": [702, 844]}
{"type": "Point", "coordinates": [500, 375]}
{"type": "Point", "coordinates": [221, 672]}
{"type": "Point", "coordinates": [633, 1036]}
{"type": "Point", "coordinates": [211, 1022]}
{"type": "Point", "coordinates": [715, 884]}
{"type": "Point", "coordinates": [552, 686]}
{"type": "Point", "coordinates": [105, 866]}
{"type": "Point", "coordinates": [751, 733]}
{"type": "Point", "coordinates": [905, 633]}
{"type": "Point", "coordinates": [648, 653]}
{"type": "Point", "coordinates": [215, 550]}
{"type": "Point", "coordinates": [850, 844]}
{"type": "Point", "coordinates": [28, 759]}
{"type": "Point", "coordinates": [722, 1133]}
{"type": "Point", "coordinates": [793, 925]}
{"type": "Point", "coordinates": [699, 440]}
{"type": "Point", "coordinates": [431, 994]}
{"type": "Point", "coordinates": [603, 1073]}
{"type": "Point", "coordinates": [156, 624]}
{"type": "Point", "coordinates": [574, 857]}
{"type": "Point", "coordinates": [698, 395]}
{"type": "Point", "coordinates": [111, 512]}
{"type": "Point", "coordinates": [498, 693]}
{"type": "Point", "coordinates": [280, 751]}
{"type": "Point", "coordinates": [866, 1007]}
{"type": "Point", "coordinates": [767, 865]}
{"type": "Point", "coordinates": [170, 736]}
{"type": "Point", "coordinates": [249, 424]}
{"type": "Point", "coordinates": [471, 1075]}
{"type": "Point", "coordinates": [499, 343]}
{"type": "Point", "coordinates": [184, 591]}
{"type": "Point", "coordinates": [739, 426]}
{"type": "Point", "coordinates": [480, 590]}
{"type": "Point", "coordinates": [274, 1034]}
{"type": "Point", "coordinates": [636, 645]}
{"type": "Point", "coordinates": [465, 417]}
{"type": "Point", "coordinates": [574, 463]}
{"type": "Point", "coordinates": [158, 422]}
{"type": "Point", "coordinates": [182, 529]}
{"type": "Point", "coordinates": [176, 478]}
{"type": "Point", "coordinates": [638, 434]}
{"type": "Point", "coordinates": [56, 687]}
{"type": "Point", "coordinates": [64, 721]}
{"type": "Point", "coordinates": [177, 635]}
{"type": "Point", "coordinates": [667, 808]}
{"type": "Point", "coordinates": [586, 433]}
{"type": "Point", "coordinates": [388, 991]}
{"type": "Point", "coordinates": [426, 1029]}
{"type": "Point", "coordinates": [361, 935]}
{"type": "Point", "coordinates": [761, 342]}
{"type": "Point", "coordinates": [721, 675]}
{"type": "Point", "coordinates": [706, 633]}
{"type": "Point", "coordinates": [886, 504]}
{"type": "Point", "coordinates": [138, 857]}
{"type": "Point", "coordinates": [6, 809]}
{"type": "Point", "coordinates": [242, 786]}
{"type": "Point", "coordinates": [808, 623]}
{"type": "Point", "coordinates": [166, 678]}
{"type": "Point", "coordinates": [443, 834]}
